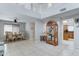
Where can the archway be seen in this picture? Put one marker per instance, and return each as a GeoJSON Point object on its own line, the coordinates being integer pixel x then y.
{"type": "Point", "coordinates": [52, 33]}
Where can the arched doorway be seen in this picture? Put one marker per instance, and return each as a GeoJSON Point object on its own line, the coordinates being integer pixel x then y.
{"type": "Point", "coordinates": [52, 33]}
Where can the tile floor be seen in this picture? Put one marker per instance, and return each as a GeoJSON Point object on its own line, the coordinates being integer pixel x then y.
{"type": "Point", "coordinates": [32, 48]}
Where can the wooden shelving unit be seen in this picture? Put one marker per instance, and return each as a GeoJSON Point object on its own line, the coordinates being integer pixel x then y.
{"type": "Point", "coordinates": [54, 26]}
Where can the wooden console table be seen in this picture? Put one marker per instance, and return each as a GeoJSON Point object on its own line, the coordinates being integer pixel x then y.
{"type": "Point", "coordinates": [43, 38]}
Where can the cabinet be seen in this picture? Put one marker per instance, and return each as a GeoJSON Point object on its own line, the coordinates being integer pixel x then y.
{"type": "Point", "coordinates": [52, 30]}
{"type": "Point", "coordinates": [68, 35]}
{"type": "Point", "coordinates": [43, 38]}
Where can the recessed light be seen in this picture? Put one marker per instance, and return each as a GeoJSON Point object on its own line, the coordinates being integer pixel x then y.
{"type": "Point", "coordinates": [49, 4]}
{"type": "Point", "coordinates": [65, 22]}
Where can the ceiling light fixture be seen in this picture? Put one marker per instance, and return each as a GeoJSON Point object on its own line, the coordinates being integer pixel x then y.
{"type": "Point", "coordinates": [15, 20]}
{"type": "Point", "coordinates": [49, 4]}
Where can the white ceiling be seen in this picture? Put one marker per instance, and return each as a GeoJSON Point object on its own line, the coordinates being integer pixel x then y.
{"type": "Point", "coordinates": [36, 10]}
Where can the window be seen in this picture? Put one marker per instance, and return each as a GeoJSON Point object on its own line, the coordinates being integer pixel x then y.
{"type": "Point", "coordinates": [7, 28]}
{"type": "Point", "coordinates": [11, 28]}
{"type": "Point", "coordinates": [70, 28]}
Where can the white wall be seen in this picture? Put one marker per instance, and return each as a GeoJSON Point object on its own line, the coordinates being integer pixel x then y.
{"type": "Point", "coordinates": [76, 35]}
{"type": "Point", "coordinates": [28, 30]}
{"type": "Point", "coordinates": [39, 29]}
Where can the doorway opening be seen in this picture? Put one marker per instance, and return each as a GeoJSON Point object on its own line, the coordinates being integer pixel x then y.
{"type": "Point", "coordinates": [68, 33]}
{"type": "Point", "coordinates": [68, 30]}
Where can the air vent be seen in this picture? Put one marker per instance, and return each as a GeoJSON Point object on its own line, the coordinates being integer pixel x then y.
{"type": "Point", "coordinates": [63, 9]}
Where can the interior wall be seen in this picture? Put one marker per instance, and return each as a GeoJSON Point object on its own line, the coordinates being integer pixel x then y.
{"type": "Point", "coordinates": [22, 29]}
{"type": "Point", "coordinates": [1, 31]}
{"type": "Point", "coordinates": [29, 30]}
{"type": "Point", "coordinates": [76, 36]}
{"type": "Point", "coordinates": [60, 33]}
{"type": "Point", "coordinates": [38, 28]}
